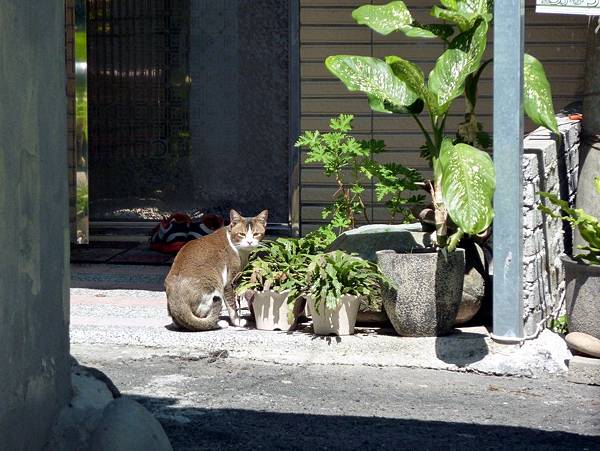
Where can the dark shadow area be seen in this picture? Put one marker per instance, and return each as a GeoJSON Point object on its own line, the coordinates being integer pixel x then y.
{"type": "Point", "coordinates": [461, 348]}
{"type": "Point", "coordinates": [121, 253]}
{"type": "Point", "coordinates": [229, 429]}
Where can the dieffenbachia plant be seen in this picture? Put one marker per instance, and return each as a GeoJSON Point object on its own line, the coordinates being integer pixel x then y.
{"type": "Point", "coordinates": [463, 175]}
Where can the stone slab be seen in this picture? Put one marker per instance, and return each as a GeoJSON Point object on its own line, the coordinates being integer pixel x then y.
{"type": "Point", "coordinates": [584, 370]}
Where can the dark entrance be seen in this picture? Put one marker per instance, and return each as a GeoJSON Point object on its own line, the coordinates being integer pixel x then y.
{"type": "Point", "coordinates": [188, 107]}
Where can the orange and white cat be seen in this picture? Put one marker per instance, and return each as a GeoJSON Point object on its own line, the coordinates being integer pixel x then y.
{"type": "Point", "coordinates": [200, 278]}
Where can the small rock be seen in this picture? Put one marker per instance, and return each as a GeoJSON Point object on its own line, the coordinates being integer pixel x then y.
{"type": "Point", "coordinates": [584, 343]}
{"type": "Point", "coordinates": [127, 426]}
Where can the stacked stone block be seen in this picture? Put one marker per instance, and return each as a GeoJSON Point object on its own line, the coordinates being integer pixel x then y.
{"type": "Point", "coordinates": [552, 167]}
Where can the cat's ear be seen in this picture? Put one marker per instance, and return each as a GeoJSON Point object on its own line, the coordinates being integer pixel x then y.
{"type": "Point", "coordinates": [262, 216]}
{"type": "Point", "coordinates": [234, 217]}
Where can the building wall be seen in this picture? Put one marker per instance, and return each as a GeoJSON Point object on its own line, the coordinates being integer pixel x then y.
{"type": "Point", "coordinates": [546, 167]}
{"type": "Point", "coordinates": [34, 349]}
{"type": "Point", "coordinates": [327, 28]}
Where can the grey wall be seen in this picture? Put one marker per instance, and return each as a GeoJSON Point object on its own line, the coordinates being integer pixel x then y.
{"type": "Point", "coordinates": [239, 105]}
{"type": "Point", "coordinates": [546, 167]}
{"type": "Point", "coordinates": [34, 376]}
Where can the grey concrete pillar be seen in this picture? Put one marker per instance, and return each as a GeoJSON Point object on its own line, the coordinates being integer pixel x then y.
{"type": "Point", "coordinates": [34, 346]}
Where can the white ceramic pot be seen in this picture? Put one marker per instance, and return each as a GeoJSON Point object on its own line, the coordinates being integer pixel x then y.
{"type": "Point", "coordinates": [338, 321]}
{"type": "Point", "coordinates": [271, 310]}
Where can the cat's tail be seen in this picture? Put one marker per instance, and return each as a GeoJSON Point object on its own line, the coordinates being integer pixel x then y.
{"type": "Point", "coordinates": [182, 296]}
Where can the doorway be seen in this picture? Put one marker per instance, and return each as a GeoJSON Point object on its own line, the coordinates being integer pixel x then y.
{"type": "Point", "coordinates": [189, 109]}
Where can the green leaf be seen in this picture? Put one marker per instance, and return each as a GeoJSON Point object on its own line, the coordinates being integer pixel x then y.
{"type": "Point", "coordinates": [450, 4]}
{"type": "Point", "coordinates": [447, 79]}
{"type": "Point", "coordinates": [537, 95]}
{"type": "Point", "coordinates": [384, 19]}
{"type": "Point", "coordinates": [395, 16]}
{"type": "Point", "coordinates": [464, 13]}
{"type": "Point", "coordinates": [454, 17]}
{"type": "Point", "coordinates": [373, 77]}
{"type": "Point", "coordinates": [476, 8]}
{"type": "Point", "coordinates": [411, 74]}
{"type": "Point", "coordinates": [468, 183]}
{"type": "Point", "coordinates": [597, 184]}
{"type": "Point", "coordinates": [442, 31]}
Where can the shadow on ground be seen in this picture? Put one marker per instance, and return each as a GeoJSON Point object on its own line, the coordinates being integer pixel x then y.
{"type": "Point", "coordinates": [461, 348]}
{"type": "Point", "coordinates": [228, 429]}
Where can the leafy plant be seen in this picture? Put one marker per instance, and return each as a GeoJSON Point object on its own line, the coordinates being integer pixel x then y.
{"type": "Point", "coordinates": [349, 161]}
{"type": "Point", "coordinates": [393, 180]}
{"type": "Point", "coordinates": [281, 265]}
{"type": "Point", "coordinates": [317, 241]}
{"type": "Point", "coordinates": [559, 325]}
{"type": "Point", "coordinates": [82, 200]}
{"type": "Point", "coordinates": [463, 175]}
{"type": "Point", "coordinates": [588, 225]}
{"type": "Point", "coordinates": [278, 265]}
{"type": "Point", "coordinates": [332, 275]}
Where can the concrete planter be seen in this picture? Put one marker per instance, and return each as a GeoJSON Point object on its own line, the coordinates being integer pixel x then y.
{"type": "Point", "coordinates": [338, 321]}
{"type": "Point", "coordinates": [582, 296]}
{"type": "Point", "coordinates": [429, 290]}
{"type": "Point", "coordinates": [271, 310]}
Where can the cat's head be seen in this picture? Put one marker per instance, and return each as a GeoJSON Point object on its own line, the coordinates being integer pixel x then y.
{"type": "Point", "coordinates": [247, 232]}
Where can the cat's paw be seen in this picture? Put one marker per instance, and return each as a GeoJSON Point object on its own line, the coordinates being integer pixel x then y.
{"type": "Point", "coordinates": [223, 324]}
{"type": "Point", "coordinates": [240, 322]}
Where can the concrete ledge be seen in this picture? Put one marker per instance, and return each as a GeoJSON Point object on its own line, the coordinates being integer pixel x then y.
{"type": "Point", "coordinates": [584, 370]}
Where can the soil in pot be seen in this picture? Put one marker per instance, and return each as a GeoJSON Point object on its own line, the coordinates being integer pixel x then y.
{"type": "Point", "coordinates": [427, 290]}
{"type": "Point", "coordinates": [338, 321]}
{"type": "Point", "coordinates": [582, 297]}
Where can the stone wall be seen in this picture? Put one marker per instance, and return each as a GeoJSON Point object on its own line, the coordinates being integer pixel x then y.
{"type": "Point", "coordinates": [34, 310]}
{"type": "Point", "coordinates": [546, 167]}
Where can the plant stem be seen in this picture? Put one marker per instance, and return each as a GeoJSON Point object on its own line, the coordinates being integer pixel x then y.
{"type": "Point", "coordinates": [430, 143]}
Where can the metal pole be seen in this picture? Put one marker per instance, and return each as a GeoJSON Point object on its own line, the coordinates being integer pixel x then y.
{"type": "Point", "coordinates": [508, 152]}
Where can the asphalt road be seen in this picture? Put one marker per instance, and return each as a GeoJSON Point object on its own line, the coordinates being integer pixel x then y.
{"type": "Point", "coordinates": [221, 403]}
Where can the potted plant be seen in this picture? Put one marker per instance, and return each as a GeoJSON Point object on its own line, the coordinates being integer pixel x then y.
{"type": "Point", "coordinates": [335, 283]}
{"type": "Point", "coordinates": [582, 273]}
{"type": "Point", "coordinates": [275, 275]}
{"type": "Point", "coordinates": [463, 175]}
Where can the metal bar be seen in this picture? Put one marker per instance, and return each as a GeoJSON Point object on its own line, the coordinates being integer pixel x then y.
{"type": "Point", "coordinates": [81, 123]}
{"type": "Point", "coordinates": [508, 153]}
{"type": "Point", "coordinates": [294, 116]}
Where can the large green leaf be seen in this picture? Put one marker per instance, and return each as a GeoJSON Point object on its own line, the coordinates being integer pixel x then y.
{"type": "Point", "coordinates": [463, 23]}
{"type": "Point", "coordinates": [480, 8]}
{"type": "Point", "coordinates": [411, 74]}
{"type": "Point", "coordinates": [447, 79]}
{"type": "Point", "coordinates": [464, 13]}
{"type": "Point", "coordinates": [395, 16]}
{"type": "Point", "coordinates": [537, 96]}
{"type": "Point", "coordinates": [468, 184]}
{"type": "Point", "coordinates": [375, 78]}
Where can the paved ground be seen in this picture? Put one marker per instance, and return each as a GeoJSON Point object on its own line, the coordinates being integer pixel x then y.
{"type": "Point", "coordinates": [243, 388]}
{"type": "Point", "coordinates": [220, 403]}
{"type": "Point", "coordinates": [138, 317]}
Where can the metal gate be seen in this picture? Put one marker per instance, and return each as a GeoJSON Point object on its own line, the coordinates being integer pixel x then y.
{"type": "Point", "coordinates": [138, 105]}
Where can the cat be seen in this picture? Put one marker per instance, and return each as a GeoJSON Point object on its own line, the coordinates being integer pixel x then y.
{"type": "Point", "coordinates": [199, 280]}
